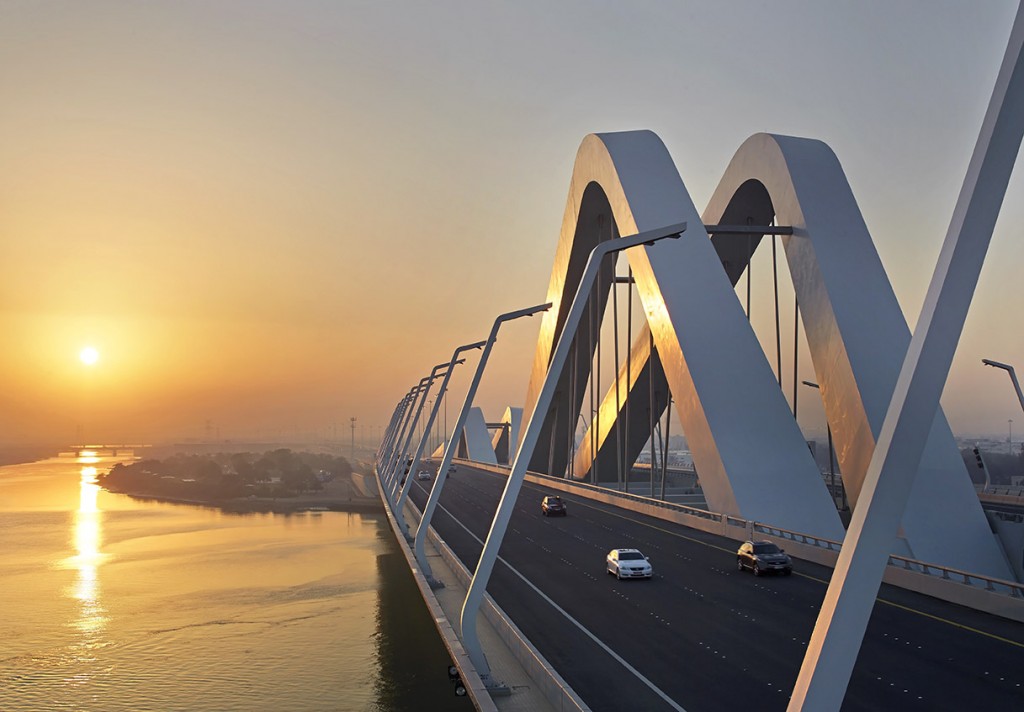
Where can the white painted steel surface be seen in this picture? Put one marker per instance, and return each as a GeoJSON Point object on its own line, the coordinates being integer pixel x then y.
{"type": "Point", "coordinates": [475, 439]}
{"type": "Point", "coordinates": [505, 439]}
{"type": "Point", "coordinates": [752, 457]}
{"type": "Point", "coordinates": [857, 337]}
{"type": "Point", "coordinates": [849, 600]}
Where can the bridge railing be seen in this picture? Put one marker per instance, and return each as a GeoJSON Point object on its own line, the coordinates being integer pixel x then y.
{"type": "Point", "coordinates": [684, 509]}
{"type": "Point", "coordinates": [1002, 587]}
{"type": "Point", "coordinates": [1007, 490]}
{"type": "Point", "coordinates": [995, 585]}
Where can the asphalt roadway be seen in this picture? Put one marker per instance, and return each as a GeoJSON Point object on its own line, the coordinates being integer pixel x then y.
{"type": "Point", "coordinates": [701, 635]}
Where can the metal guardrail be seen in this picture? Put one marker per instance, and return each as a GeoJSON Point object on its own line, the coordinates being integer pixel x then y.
{"type": "Point", "coordinates": [995, 585]}
{"type": "Point", "coordinates": [692, 511]}
{"type": "Point", "coordinates": [1011, 588]}
{"type": "Point", "coordinates": [988, 583]}
{"type": "Point", "coordinates": [1008, 490]}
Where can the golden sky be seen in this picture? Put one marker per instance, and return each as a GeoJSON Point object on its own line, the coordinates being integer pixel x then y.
{"type": "Point", "coordinates": [276, 216]}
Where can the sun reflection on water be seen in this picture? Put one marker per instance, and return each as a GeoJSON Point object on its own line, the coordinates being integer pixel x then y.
{"type": "Point", "coordinates": [87, 536]}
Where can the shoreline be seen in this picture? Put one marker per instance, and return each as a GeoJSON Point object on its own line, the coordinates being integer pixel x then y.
{"type": "Point", "coordinates": [27, 454]}
{"type": "Point", "coordinates": [266, 505]}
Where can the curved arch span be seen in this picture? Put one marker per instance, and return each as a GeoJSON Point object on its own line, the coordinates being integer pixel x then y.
{"type": "Point", "coordinates": [743, 438]}
{"type": "Point", "coordinates": [856, 333]}
{"type": "Point", "coordinates": [857, 336]}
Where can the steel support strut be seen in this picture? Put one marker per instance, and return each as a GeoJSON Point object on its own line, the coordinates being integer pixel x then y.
{"type": "Point", "coordinates": [836, 640]}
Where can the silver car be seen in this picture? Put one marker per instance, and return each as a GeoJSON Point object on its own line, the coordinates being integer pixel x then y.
{"type": "Point", "coordinates": [628, 563]}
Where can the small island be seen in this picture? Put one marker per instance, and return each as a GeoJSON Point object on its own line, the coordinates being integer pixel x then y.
{"type": "Point", "coordinates": [276, 481]}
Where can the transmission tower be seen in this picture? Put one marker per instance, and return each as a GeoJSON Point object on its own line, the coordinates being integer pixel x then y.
{"type": "Point", "coordinates": [353, 427]}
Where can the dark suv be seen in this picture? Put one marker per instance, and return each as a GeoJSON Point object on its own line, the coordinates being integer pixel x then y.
{"type": "Point", "coordinates": [763, 557]}
{"type": "Point", "coordinates": [552, 506]}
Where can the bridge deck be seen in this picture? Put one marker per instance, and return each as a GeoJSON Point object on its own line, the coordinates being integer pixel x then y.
{"type": "Point", "coordinates": [505, 668]}
{"type": "Point", "coordinates": [702, 634]}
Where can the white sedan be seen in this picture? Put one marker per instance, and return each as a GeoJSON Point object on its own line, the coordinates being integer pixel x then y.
{"type": "Point", "coordinates": [423, 475]}
{"type": "Point", "coordinates": [628, 563]}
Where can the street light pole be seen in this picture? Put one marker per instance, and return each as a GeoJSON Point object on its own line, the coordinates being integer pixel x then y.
{"type": "Point", "coordinates": [403, 434]}
{"type": "Point", "coordinates": [415, 461]}
{"type": "Point", "coordinates": [1013, 377]}
{"type": "Point", "coordinates": [396, 479]}
{"type": "Point", "coordinates": [513, 485]}
{"type": "Point", "coordinates": [393, 461]}
{"type": "Point", "coordinates": [384, 452]}
{"type": "Point", "coordinates": [460, 423]}
{"type": "Point", "coordinates": [353, 421]}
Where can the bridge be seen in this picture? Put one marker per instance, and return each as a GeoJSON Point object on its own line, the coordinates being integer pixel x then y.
{"type": "Point", "coordinates": [917, 603]}
{"type": "Point", "coordinates": [108, 449]}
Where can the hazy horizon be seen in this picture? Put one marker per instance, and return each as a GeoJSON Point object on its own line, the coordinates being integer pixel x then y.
{"type": "Point", "coordinates": [270, 217]}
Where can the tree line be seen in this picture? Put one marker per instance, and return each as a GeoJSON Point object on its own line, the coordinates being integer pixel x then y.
{"type": "Point", "coordinates": [276, 473]}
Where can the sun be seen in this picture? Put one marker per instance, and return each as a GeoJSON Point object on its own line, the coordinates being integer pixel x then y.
{"type": "Point", "coordinates": [89, 356]}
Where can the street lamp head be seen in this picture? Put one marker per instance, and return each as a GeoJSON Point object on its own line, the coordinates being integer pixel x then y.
{"type": "Point", "coordinates": [996, 364]}
{"type": "Point", "coordinates": [648, 238]}
{"type": "Point", "coordinates": [509, 316]}
{"type": "Point", "coordinates": [812, 384]}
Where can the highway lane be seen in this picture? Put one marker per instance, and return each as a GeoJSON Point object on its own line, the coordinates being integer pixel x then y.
{"type": "Point", "coordinates": [704, 634]}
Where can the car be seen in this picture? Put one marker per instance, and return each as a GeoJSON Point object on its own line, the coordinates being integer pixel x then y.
{"type": "Point", "coordinates": [628, 563]}
{"type": "Point", "coordinates": [763, 557]}
{"type": "Point", "coordinates": [552, 506]}
{"type": "Point", "coordinates": [423, 475]}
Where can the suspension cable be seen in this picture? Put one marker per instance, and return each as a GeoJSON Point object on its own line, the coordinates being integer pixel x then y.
{"type": "Point", "coordinates": [590, 363]}
{"type": "Point", "coordinates": [778, 326]}
{"type": "Point", "coordinates": [664, 456]}
{"type": "Point", "coordinates": [595, 419]}
{"type": "Point", "coordinates": [571, 466]}
{"type": "Point", "coordinates": [628, 467]}
{"type": "Point", "coordinates": [650, 390]}
{"type": "Point", "coordinates": [618, 404]}
{"type": "Point", "coordinates": [796, 350]}
{"type": "Point", "coordinates": [750, 258]}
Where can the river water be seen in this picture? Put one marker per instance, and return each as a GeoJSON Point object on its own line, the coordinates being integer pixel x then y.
{"type": "Point", "coordinates": [109, 603]}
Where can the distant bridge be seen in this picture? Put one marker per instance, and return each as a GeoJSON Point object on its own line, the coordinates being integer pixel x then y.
{"type": "Point", "coordinates": [109, 450]}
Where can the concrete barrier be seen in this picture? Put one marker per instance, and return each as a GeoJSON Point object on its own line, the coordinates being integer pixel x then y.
{"type": "Point", "coordinates": [549, 683]}
{"type": "Point", "coordinates": [475, 687]}
{"type": "Point", "coordinates": [552, 686]}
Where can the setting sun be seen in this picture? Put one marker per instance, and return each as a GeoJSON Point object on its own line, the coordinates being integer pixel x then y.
{"type": "Point", "coordinates": [89, 356]}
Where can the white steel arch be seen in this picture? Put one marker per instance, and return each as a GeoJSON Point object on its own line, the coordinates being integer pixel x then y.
{"type": "Point", "coordinates": [856, 333]}
{"type": "Point", "coordinates": [857, 336]}
{"type": "Point", "coordinates": [749, 450]}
